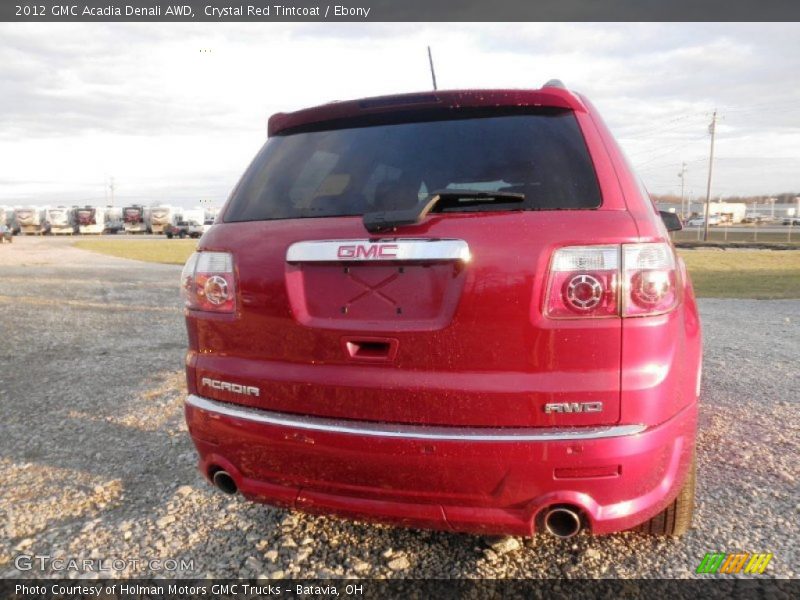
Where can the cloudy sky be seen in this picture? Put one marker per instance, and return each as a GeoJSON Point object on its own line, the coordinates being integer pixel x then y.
{"type": "Point", "coordinates": [174, 112]}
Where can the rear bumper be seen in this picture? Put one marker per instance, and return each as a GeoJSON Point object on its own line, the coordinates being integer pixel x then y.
{"type": "Point", "coordinates": [481, 480]}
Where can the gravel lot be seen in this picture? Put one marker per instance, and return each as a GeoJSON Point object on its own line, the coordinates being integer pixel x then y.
{"type": "Point", "coordinates": [97, 463]}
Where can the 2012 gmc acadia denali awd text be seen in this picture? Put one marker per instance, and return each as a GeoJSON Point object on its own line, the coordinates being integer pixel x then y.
{"type": "Point", "coordinates": [457, 310]}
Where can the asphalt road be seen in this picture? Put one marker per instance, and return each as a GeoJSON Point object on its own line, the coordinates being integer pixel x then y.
{"type": "Point", "coordinates": [97, 463]}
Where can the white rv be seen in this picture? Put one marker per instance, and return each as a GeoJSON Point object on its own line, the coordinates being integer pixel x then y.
{"type": "Point", "coordinates": [136, 219]}
{"type": "Point", "coordinates": [197, 215]}
{"type": "Point", "coordinates": [114, 223]}
{"type": "Point", "coordinates": [161, 216]}
{"type": "Point", "coordinates": [91, 219]}
{"type": "Point", "coordinates": [6, 215]}
{"type": "Point", "coordinates": [29, 220]}
{"type": "Point", "coordinates": [59, 220]}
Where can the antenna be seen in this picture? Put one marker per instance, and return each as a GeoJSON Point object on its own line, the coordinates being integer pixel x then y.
{"type": "Point", "coordinates": [433, 73]}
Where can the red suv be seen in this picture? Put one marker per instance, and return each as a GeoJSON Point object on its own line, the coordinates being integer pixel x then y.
{"type": "Point", "coordinates": [457, 310]}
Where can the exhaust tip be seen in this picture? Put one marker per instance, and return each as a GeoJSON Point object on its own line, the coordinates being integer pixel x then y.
{"type": "Point", "coordinates": [224, 482]}
{"type": "Point", "coordinates": [562, 522]}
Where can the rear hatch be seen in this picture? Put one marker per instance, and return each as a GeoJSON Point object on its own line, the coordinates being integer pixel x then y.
{"type": "Point", "coordinates": [438, 322]}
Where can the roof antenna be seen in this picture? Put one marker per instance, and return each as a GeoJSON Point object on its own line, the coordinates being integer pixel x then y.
{"type": "Point", "coordinates": [433, 73]}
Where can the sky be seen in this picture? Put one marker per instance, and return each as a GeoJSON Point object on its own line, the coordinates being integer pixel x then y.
{"type": "Point", "coordinates": [173, 113]}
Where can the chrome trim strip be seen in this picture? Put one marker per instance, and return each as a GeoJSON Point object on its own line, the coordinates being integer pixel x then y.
{"type": "Point", "coordinates": [411, 432]}
{"type": "Point", "coordinates": [396, 249]}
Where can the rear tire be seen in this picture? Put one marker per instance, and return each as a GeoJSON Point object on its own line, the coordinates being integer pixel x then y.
{"type": "Point", "coordinates": [676, 519]}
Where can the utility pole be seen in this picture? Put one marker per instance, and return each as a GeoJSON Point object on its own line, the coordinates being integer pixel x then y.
{"type": "Point", "coordinates": [433, 73]}
{"type": "Point", "coordinates": [712, 129]}
{"type": "Point", "coordinates": [682, 176]}
{"type": "Point", "coordinates": [111, 188]}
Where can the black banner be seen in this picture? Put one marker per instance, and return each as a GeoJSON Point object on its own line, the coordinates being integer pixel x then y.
{"type": "Point", "coordinates": [398, 10]}
{"type": "Point", "coordinates": [412, 589]}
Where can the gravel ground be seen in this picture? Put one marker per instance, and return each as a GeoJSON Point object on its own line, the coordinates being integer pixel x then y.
{"type": "Point", "coordinates": [97, 462]}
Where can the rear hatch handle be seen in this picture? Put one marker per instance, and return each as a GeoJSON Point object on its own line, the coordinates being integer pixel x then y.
{"type": "Point", "coordinates": [376, 222]}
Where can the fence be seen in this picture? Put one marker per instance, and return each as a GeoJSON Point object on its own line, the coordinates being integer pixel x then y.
{"type": "Point", "coordinates": [771, 233]}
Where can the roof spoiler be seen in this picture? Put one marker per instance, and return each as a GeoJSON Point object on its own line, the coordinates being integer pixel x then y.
{"type": "Point", "coordinates": [552, 94]}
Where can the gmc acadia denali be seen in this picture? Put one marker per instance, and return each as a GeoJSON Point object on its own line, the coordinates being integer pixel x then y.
{"type": "Point", "coordinates": [457, 310]}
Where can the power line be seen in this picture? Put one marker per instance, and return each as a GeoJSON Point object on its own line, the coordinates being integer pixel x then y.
{"type": "Point", "coordinates": [662, 130]}
{"type": "Point", "coordinates": [662, 152]}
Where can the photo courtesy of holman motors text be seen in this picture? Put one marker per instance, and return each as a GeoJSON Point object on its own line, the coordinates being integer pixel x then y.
{"type": "Point", "coordinates": [89, 590]}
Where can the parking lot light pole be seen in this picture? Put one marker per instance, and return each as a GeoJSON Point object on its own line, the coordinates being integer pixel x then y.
{"type": "Point", "coordinates": [712, 129]}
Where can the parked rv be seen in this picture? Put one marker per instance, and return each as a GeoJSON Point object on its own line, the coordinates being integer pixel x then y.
{"type": "Point", "coordinates": [197, 214]}
{"type": "Point", "coordinates": [7, 217]}
{"type": "Point", "coordinates": [135, 219]}
{"type": "Point", "coordinates": [60, 220]}
{"type": "Point", "coordinates": [161, 216]}
{"type": "Point", "coordinates": [211, 213]}
{"type": "Point", "coordinates": [91, 219]}
{"type": "Point", "coordinates": [114, 223]}
{"type": "Point", "coordinates": [29, 220]}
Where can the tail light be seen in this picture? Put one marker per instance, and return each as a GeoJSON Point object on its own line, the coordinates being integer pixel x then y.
{"type": "Point", "coordinates": [208, 282]}
{"type": "Point", "coordinates": [583, 282]}
{"type": "Point", "coordinates": [630, 280]}
{"type": "Point", "coordinates": [649, 278]}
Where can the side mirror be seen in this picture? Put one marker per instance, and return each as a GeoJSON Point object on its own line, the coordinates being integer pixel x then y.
{"type": "Point", "coordinates": [671, 220]}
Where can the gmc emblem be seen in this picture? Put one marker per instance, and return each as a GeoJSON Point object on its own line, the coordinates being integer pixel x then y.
{"type": "Point", "coordinates": [573, 407]}
{"type": "Point", "coordinates": [367, 251]}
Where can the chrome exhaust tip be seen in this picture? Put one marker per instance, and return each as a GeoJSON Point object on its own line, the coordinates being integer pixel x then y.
{"type": "Point", "coordinates": [563, 522]}
{"type": "Point", "coordinates": [224, 482]}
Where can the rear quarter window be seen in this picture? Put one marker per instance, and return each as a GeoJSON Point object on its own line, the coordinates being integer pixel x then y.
{"type": "Point", "coordinates": [357, 170]}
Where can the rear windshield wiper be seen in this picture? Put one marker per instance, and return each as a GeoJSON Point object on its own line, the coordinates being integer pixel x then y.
{"type": "Point", "coordinates": [389, 219]}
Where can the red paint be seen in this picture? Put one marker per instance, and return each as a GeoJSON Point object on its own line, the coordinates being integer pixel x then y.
{"type": "Point", "coordinates": [472, 345]}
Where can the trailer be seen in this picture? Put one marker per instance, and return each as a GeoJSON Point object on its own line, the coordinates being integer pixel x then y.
{"type": "Point", "coordinates": [114, 222]}
{"type": "Point", "coordinates": [196, 214]}
{"type": "Point", "coordinates": [211, 213]}
{"type": "Point", "coordinates": [135, 219]}
{"type": "Point", "coordinates": [91, 219]}
{"type": "Point", "coordinates": [7, 216]}
{"type": "Point", "coordinates": [7, 219]}
{"type": "Point", "coordinates": [29, 220]}
{"type": "Point", "coordinates": [161, 216]}
{"type": "Point", "coordinates": [60, 220]}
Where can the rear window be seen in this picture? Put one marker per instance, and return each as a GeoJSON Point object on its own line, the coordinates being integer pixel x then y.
{"type": "Point", "coordinates": [385, 167]}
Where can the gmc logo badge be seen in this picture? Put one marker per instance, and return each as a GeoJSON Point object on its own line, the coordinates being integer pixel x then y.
{"type": "Point", "coordinates": [573, 407]}
{"type": "Point", "coordinates": [367, 251]}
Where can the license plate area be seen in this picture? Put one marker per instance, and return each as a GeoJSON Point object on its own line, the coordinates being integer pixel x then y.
{"type": "Point", "coordinates": [381, 284]}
